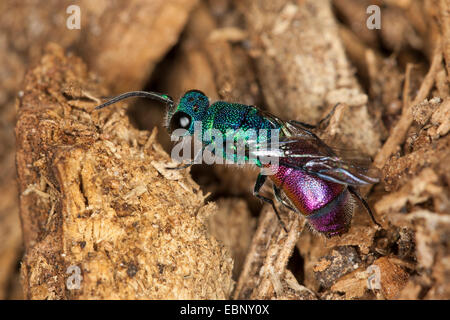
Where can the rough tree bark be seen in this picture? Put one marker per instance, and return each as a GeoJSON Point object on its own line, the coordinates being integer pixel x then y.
{"type": "Point", "coordinates": [95, 195]}
{"type": "Point", "coordinates": [103, 40]}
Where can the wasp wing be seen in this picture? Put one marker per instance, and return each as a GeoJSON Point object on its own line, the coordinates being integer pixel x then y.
{"type": "Point", "coordinates": [301, 149]}
{"type": "Point", "coordinates": [310, 154]}
{"type": "Point", "coordinates": [333, 164]}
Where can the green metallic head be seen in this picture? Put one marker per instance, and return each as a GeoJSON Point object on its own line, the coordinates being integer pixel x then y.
{"type": "Point", "coordinates": [192, 107]}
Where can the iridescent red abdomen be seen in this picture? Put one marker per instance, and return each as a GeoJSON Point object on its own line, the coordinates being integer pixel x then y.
{"type": "Point", "coordinates": [326, 205]}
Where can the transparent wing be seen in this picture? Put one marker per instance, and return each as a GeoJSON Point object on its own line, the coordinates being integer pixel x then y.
{"type": "Point", "coordinates": [300, 148]}
{"type": "Point", "coordinates": [309, 153]}
{"type": "Point", "coordinates": [340, 166]}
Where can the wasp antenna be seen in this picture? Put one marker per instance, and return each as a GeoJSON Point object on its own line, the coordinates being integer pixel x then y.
{"type": "Point", "coordinates": [365, 204]}
{"type": "Point", "coordinates": [143, 94]}
{"type": "Point", "coordinates": [328, 116]}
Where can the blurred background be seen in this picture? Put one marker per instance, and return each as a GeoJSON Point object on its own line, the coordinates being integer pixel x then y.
{"type": "Point", "coordinates": [293, 58]}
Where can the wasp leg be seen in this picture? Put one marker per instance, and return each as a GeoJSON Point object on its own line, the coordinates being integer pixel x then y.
{"type": "Point", "coordinates": [259, 183]}
{"type": "Point", "coordinates": [311, 126]}
{"type": "Point", "coordinates": [198, 156]}
{"type": "Point", "coordinates": [369, 211]}
{"type": "Point", "coordinates": [277, 193]}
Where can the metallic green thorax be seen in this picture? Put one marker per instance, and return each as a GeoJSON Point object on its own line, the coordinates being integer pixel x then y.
{"type": "Point", "coordinates": [222, 116]}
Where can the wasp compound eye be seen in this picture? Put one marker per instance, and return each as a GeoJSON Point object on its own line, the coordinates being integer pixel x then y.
{"type": "Point", "coordinates": [180, 120]}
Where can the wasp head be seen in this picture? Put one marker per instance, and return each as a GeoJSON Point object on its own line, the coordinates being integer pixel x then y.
{"type": "Point", "coordinates": [191, 108]}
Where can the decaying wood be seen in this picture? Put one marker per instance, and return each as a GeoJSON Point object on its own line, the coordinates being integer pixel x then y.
{"type": "Point", "coordinates": [304, 72]}
{"type": "Point", "coordinates": [264, 274]}
{"type": "Point", "coordinates": [10, 238]}
{"type": "Point", "coordinates": [126, 53]}
{"type": "Point", "coordinates": [121, 41]}
{"type": "Point", "coordinates": [10, 234]}
{"type": "Point", "coordinates": [94, 191]}
{"type": "Point", "coordinates": [431, 232]}
{"type": "Point", "coordinates": [212, 64]}
{"type": "Point", "coordinates": [355, 49]}
{"type": "Point", "coordinates": [106, 29]}
{"type": "Point", "coordinates": [234, 226]}
{"type": "Point", "coordinates": [353, 12]}
{"type": "Point", "coordinates": [398, 133]}
{"type": "Point", "coordinates": [444, 15]}
{"type": "Point", "coordinates": [95, 195]}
